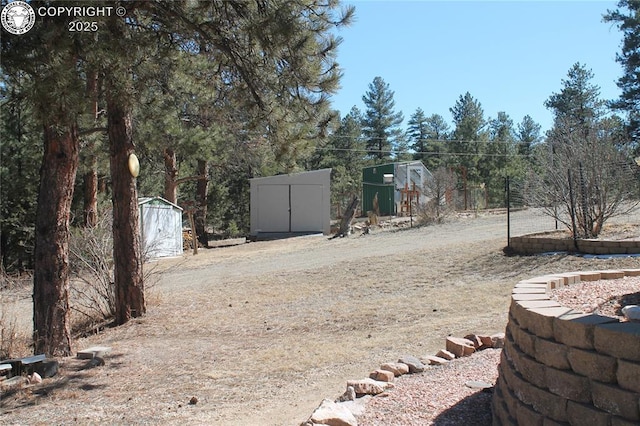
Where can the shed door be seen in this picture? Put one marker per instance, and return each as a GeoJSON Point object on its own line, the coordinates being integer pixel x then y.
{"type": "Point", "coordinates": [273, 208]}
{"type": "Point", "coordinates": [306, 208]}
{"type": "Point", "coordinates": [159, 234]}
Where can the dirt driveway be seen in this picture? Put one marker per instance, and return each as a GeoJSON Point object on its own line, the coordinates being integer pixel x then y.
{"type": "Point", "coordinates": [261, 333]}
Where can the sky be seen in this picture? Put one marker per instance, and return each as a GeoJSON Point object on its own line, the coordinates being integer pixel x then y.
{"type": "Point", "coordinates": [509, 55]}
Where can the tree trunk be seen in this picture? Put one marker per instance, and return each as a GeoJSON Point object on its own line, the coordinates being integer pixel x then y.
{"type": "Point", "coordinates": [51, 328]}
{"type": "Point", "coordinates": [170, 176]}
{"type": "Point", "coordinates": [91, 195]}
{"type": "Point", "coordinates": [127, 252]}
{"type": "Point", "coordinates": [201, 203]}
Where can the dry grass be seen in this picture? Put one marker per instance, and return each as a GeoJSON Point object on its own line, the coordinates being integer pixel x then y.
{"type": "Point", "coordinates": [261, 333]}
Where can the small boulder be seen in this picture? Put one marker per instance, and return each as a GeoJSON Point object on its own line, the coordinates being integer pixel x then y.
{"type": "Point", "coordinates": [369, 386]}
{"type": "Point", "coordinates": [382, 375]}
{"type": "Point", "coordinates": [357, 406]}
{"type": "Point", "coordinates": [435, 360]}
{"type": "Point", "coordinates": [475, 339]}
{"type": "Point", "coordinates": [460, 347]}
{"type": "Point", "coordinates": [397, 368]}
{"type": "Point", "coordinates": [443, 353]}
{"type": "Point", "coordinates": [414, 364]}
{"type": "Point", "coordinates": [348, 395]}
{"type": "Point", "coordinates": [331, 413]}
{"type": "Point", "coordinates": [487, 342]}
{"type": "Point", "coordinates": [498, 340]}
{"type": "Point", "coordinates": [631, 312]}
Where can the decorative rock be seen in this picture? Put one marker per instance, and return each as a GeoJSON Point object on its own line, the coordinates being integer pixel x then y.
{"type": "Point", "coordinates": [331, 413]}
{"type": "Point", "coordinates": [397, 368]}
{"type": "Point", "coordinates": [475, 339]}
{"type": "Point", "coordinates": [357, 406]}
{"type": "Point", "coordinates": [382, 375]}
{"type": "Point", "coordinates": [443, 353]}
{"type": "Point", "coordinates": [460, 347]}
{"type": "Point", "coordinates": [631, 312]}
{"type": "Point", "coordinates": [486, 341]}
{"type": "Point", "coordinates": [435, 360]}
{"type": "Point", "coordinates": [415, 365]}
{"type": "Point", "coordinates": [498, 340]}
{"type": "Point", "coordinates": [369, 386]}
{"type": "Point", "coordinates": [473, 384]}
{"type": "Point", "coordinates": [348, 395]}
{"type": "Point", "coordinates": [34, 379]}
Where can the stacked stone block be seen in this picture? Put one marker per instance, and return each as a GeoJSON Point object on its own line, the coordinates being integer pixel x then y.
{"type": "Point", "coordinates": [538, 243]}
{"type": "Point", "coordinates": [562, 367]}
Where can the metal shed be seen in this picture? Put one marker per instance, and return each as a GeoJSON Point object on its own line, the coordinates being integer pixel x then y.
{"type": "Point", "coordinates": [297, 203]}
{"type": "Point", "coordinates": [388, 181]}
{"type": "Point", "coordinates": [160, 227]}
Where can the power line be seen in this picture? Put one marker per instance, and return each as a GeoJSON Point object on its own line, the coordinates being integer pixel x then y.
{"type": "Point", "coordinates": [461, 154]}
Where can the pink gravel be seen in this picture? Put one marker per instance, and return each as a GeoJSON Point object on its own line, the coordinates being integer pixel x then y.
{"type": "Point", "coordinates": [440, 396]}
{"type": "Point", "coordinates": [605, 297]}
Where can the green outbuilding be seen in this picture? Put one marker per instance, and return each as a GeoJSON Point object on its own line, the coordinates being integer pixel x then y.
{"type": "Point", "coordinates": [388, 181]}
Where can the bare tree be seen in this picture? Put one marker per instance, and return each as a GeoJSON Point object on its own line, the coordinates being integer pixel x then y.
{"type": "Point", "coordinates": [582, 179]}
{"type": "Point", "coordinates": [439, 187]}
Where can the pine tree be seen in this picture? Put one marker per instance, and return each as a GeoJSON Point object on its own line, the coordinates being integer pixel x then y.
{"type": "Point", "coordinates": [577, 107]}
{"type": "Point", "coordinates": [628, 21]}
{"type": "Point", "coordinates": [528, 135]}
{"type": "Point", "coordinates": [417, 133]}
{"type": "Point", "coordinates": [344, 154]}
{"type": "Point", "coordinates": [469, 136]}
{"type": "Point", "coordinates": [381, 122]}
{"type": "Point", "coordinates": [437, 132]}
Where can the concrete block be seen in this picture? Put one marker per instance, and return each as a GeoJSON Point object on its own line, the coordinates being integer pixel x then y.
{"type": "Point", "coordinates": [586, 414]}
{"type": "Point", "coordinates": [530, 370]}
{"type": "Point", "coordinates": [616, 401]}
{"type": "Point", "coordinates": [628, 375]}
{"type": "Point", "coordinates": [576, 329]}
{"type": "Point", "coordinates": [539, 321]}
{"type": "Point", "coordinates": [593, 365]}
{"type": "Point", "coordinates": [568, 385]}
{"type": "Point", "coordinates": [527, 416]}
{"type": "Point", "coordinates": [621, 340]}
{"type": "Point", "coordinates": [611, 274]}
{"type": "Point", "coordinates": [523, 339]}
{"type": "Point", "coordinates": [552, 354]}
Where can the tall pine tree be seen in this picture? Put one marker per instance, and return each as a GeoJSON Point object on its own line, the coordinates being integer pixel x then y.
{"type": "Point", "coordinates": [381, 122]}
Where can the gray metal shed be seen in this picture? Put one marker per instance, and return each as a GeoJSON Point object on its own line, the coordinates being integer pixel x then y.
{"type": "Point", "coordinates": [160, 227]}
{"type": "Point", "coordinates": [297, 203]}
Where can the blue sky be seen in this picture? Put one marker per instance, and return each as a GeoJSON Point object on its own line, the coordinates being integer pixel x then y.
{"type": "Point", "coordinates": [510, 55]}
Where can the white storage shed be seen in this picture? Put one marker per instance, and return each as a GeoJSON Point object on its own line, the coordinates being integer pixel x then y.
{"type": "Point", "coordinates": [160, 227]}
{"type": "Point", "coordinates": [298, 203]}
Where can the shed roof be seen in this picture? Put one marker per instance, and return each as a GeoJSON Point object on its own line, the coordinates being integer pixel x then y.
{"type": "Point", "coordinates": [157, 200]}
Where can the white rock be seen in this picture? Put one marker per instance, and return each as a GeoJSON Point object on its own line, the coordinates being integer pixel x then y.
{"type": "Point", "coordinates": [333, 414]}
{"type": "Point", "coordinates": [369, 386]}
{"type": "Point", "coordinates": [357, 406]}
{"type": "Point", "coordinates": [631, 312]}
{"type": "Point", "coordinates": [34, 378]}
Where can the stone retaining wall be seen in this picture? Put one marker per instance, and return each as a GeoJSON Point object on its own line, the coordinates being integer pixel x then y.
{"type": "Point", "coordinates": [538, 243]}
{"type": "Point", "coordinates": [563, 367]}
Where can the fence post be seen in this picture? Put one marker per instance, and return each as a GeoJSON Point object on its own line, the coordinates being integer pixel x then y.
{"type": "Point", "coordinates": [572, 211]}
{"type": "Point", "coordinates": [508, 191]}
